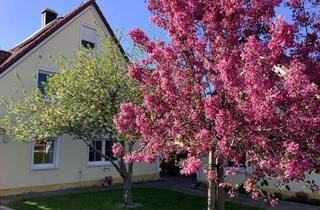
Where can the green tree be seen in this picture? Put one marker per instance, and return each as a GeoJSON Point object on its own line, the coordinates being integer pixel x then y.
{"type": "Point", "coordinates": [81, 100]}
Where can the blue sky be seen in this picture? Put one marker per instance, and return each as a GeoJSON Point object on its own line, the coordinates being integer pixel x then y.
{"type": "Point", "coordinates": [19, 19]}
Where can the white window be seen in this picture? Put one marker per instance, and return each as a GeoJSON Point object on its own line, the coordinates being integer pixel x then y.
{"type": "Point", "coordinates": [89, 37]}
{"type": "Point", "coordinates": [105, 147]}
{"type": "Point", "coordinates": [45, 154]}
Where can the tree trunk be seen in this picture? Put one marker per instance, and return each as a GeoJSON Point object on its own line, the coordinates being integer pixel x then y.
{"type": "Point", "coordinates": [211, 185]}
{"type": "Point", "coordinates": [127, 190]}
{"type": "Point", "coordinates": [221, 193]}
{"type": "Point", "coordinates": [216, 195]}
{"type": "Point", "coordinates": [127, 179]}
{"type": "Point", "coordinates": [125, 173]}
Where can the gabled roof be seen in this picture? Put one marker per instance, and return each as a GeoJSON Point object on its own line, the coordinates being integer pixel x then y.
{"type": "Point", "coordinates": [4, 55]}
{"type": "Point", "coordinates": [9, 58]}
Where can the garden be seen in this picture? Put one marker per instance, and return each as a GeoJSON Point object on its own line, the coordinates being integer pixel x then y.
{"type": "Point", "coordinates": [234, 81]}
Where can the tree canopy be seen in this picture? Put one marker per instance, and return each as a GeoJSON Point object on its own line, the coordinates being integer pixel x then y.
{"type": "Point", "coordinates": [80, 100]}
{"type": "Point", "coordinates": [234, 81]}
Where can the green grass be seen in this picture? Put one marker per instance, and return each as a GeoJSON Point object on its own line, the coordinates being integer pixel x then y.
{"type": "Point", "coordinates": [152, 199]}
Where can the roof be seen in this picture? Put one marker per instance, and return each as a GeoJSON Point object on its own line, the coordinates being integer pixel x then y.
{"type": "Point", "coordinates": [4, 55]}
{"type": "Point", "coordinates": [9, 58]}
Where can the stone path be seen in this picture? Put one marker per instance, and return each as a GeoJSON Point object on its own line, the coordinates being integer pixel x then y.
{"type": "Point", "coordinates": [180, 184]}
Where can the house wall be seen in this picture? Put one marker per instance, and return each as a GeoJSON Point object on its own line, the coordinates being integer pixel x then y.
{"type": "Point", "coordinates": [16, 157]}
{"type": "Point", "coordinates": [243, 173]}
{"type": "Point", "coordinates": [16, 172]}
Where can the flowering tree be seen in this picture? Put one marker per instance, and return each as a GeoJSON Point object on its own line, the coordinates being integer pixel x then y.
{"type": "Point", "coordinates": [81, 100]}
{"type": "Point", "coordinates": [234, 82]}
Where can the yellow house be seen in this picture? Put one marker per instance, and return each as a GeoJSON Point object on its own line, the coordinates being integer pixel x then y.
{"type": "Point", "coordinates": [66, 162]}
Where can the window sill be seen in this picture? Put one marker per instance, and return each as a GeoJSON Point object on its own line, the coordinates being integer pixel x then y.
{"type": "Point", "coordinates": [99, 164]}
{"type": "Point", "coordinates": [44, 167]}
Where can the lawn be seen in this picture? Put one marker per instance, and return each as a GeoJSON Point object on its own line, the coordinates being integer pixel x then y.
{"type": "Point", "coordinates": [152, 199]}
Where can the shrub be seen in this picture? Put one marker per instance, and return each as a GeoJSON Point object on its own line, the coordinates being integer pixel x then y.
{"type": "Point", "coordinates": [241, 189]}
{"type": "Point", "coordinates": [279, 195]}
{"type": "Point", "coordinates": [314, 201]}
{"type": "Point", "coordinates": [299, 197]}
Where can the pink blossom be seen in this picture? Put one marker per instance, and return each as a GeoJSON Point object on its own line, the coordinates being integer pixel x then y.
{"type": "Point", "coordinates": [272, 201]}
{"type": "Point", "coordinates": [133, 157]}
{"type": "Point", "coordinates": [150, 158]}
{"type": "Point", "coordinates": [255, 195]}
{"type": "Point", "coordinates": [225, 185]}
{"type": "Point", "coordinates": [282, 37]}
{"type": "Point", "coordinates": [126, 120]}
{"type": "Point", "coordinates": [248, 185]}
{"type": "Point", "coordinates": [117, 150]}
{"type": "Point", "coordinates": [266, 164]}
{"type": "Point", "coordinates": [190, 165]}
{"type": "Point", "coordinates": [232, 171]}
{"type": "Point", "coordinates": [138, 36]}
{"type": "Point", "coordinates": [236, 47]}
{"type": "Point", "coordinates": [294, 3]}
{"type": "Point", "coordinates": [295, 169]}
{"type": "Point", "coordinates": [292, 148]}
{"type": "Point", "coordinates": [232, 192]}
{"type": "Point", "coordinates": [211, 107]}
{"type": "Point", "coordinates": [135, 71]}
{"type": "Point", "coordinates": [204, 140]}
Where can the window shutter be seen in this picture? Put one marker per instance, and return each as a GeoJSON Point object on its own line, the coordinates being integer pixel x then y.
{"type": "Point", "coordinates": [89, 34]}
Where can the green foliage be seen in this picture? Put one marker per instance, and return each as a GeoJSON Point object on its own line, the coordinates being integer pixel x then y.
{"type": "Point", "coordinates": [279, 195]}
{"type": "Point", "coordinates": [314, 201]}
{"type": "Point", "coordinates": [300, 197]}
{"type": "Point", "coordinates": [80, 100]}
{"type": "Point", "coordinates": [241, 189]}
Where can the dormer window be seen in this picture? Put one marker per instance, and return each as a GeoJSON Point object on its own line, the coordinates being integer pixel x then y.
{"type": "Point", "coordinates": [89, 37]}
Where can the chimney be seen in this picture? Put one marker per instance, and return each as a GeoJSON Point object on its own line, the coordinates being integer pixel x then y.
{"type": "Point", "coordinates": [48, 15]}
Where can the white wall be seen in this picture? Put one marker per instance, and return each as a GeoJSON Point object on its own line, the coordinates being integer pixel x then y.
{"type": "Point", "coordinates": [243, 173]}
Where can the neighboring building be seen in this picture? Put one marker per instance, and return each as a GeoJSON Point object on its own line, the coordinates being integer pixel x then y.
{"type": "Point", "coordinates": [243, 172]}
{"type": "Point", "coordinates": [63, 162]}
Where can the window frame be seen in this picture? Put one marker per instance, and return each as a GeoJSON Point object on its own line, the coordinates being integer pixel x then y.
{"type": "Point", "coordinates": [103, 161]}
{"type": "Point", "coordinates": [44, 71]}
{"type": "Point", "coordinates": [56, 157]}
{"type": "Point", "coordinates": [97, 44]}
